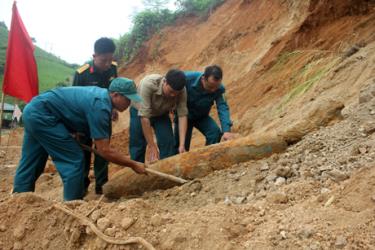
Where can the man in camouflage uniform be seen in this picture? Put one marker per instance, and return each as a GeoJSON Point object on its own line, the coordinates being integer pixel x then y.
{"type": "Point", "coordinates": [98, 72]}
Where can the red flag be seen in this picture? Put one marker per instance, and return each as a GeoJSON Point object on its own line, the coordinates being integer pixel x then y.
{"type": "Point", "coordinates": [21, 74]}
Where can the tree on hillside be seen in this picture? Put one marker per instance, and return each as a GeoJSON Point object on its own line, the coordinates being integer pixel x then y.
{"type": "Point", "coordinates": [155, 4]}
{"type": "Point", "coordinates": [2, 24]}
{"type": "Point", "coordinates": [198, 6]}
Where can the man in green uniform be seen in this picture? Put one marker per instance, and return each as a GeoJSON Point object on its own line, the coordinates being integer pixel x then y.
{"type": "Point", "coordinates": [203, 90]}
{"type": "Point", "coordinates": [51, 118]}
{"type": "Point", "coordinates": [99, 72]}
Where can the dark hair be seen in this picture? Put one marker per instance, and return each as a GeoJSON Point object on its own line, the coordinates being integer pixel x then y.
{"type": "Point", "coordinates": [104, 45]}
{"type": "Point", "coordinates": [213, 70]}
{"type": "Point", "coordinates": [176, 79]}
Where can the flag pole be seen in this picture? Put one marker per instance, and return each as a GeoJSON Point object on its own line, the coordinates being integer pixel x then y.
{"type": "Point", "coordinates": [1, 113]}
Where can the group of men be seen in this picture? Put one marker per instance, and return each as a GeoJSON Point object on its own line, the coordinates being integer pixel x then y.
{"type": "Point", "coordinates": [169, 106]}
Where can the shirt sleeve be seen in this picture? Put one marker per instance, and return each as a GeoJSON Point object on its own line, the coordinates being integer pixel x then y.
{"type": "Point", "coordinates": [145, 91]}
{"type": "Point", "coordinates": [182, 104]}
{"type": "Point", "coordinates": [223, 111]}
{"type": "Point", "coordinates": [99, 120]}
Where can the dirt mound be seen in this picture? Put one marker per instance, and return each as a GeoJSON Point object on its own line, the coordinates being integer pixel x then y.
{"type": "Point", "coordinates": [319, 194]}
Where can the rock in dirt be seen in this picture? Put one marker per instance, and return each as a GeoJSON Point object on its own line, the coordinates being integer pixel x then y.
{"type": "Point", "coordinates": [285, 172]}
{"type": "Point", "coordinates": [96, 215]}
{"type": "Point", "coordinates": [366, 94]}
{"type": "Point", "coordinates": [19, 232]}
{"type": "Point", "coordinates": [338, 175]}
{"type": "Point", "coordinates": [76, 234]}
{"type": "Point", "coordinates": [110, 231]}
{"type": "Point", "coordinates": [156, 220]}
{"type": "Point", "coordinates": [340, 242]}
{"type": "Point", "coordinates": [119, 235]}
{"type": "Point", "coordinates": [280, 181]}
{"type": "Point", "coordinates": [236, 230]}
{"type": "Point", "coordinates": [100, 244]}
{"type": "Point", "coordinates": [227, 201]}
{"type": "Point", "coordinates": [89, 231]}
{"type": "Point", "coordinates": [3, 228]}
{"type": "Point", "coordinates": [239, 200]}
{"type": "Point", "coordinates": [283, 235]}
{"type": "Point", "coordinates": [306, 232]}
{"type": "Point", "coordinates": [127, 222]}
{"type": "Point", "coordinates": [103, 224]}
{"type": "Point", "coordinates": [122, 206]}
{"type": "Point", "coordinates": [369, 127]}
{"type": "Point", "coordinates": [314, 246]}
{"type": "Point", "coordinates": [17, 245]}
{"type": "Point", "coordinates": [278, 198]}
{"type": "Point", "coordinates": [264, 167]}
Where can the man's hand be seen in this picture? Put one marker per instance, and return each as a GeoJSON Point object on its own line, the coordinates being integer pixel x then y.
{"type": "Point", "coordinates": [140, 168]}
{"type": "Point", "coordinates": [181, 149]}
{"type": "Point", "coordinates": [228, 136]}
{"type": "Point", "coordinates": [153, 153]}
{"type": "Point", "coordinates": [114, 115]}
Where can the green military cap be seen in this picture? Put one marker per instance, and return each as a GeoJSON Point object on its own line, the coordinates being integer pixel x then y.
{"type": "Point", "coordinates": [125, 87]}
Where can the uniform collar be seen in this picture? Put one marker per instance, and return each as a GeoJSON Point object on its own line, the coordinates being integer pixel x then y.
{"type": "Point", "coordinates": [197, 82]}
{"type": "Point", "coordinates": [160, 87]}
{"type": "Point", "coordinates": [93, 69]}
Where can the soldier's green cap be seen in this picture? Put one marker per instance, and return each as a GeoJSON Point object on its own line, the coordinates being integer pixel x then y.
{"type": "Point", "coordinates": [125, 87]}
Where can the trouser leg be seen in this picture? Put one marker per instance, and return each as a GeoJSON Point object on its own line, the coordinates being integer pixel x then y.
{"type": "Point", "coordinates": [164, 135]}
{"type": "Point", "coordinates": [100, 171]}
{"type": "Point", "coordinates": [87, 155]}
{"type": "Point", "coordinates": [31, 165]}
{"type": "Point", "coordinates": [68, 158]}
{"type": "Point", "coordinates": [137, 141]}
{"type": "Point", "coordinates": [208, 127]}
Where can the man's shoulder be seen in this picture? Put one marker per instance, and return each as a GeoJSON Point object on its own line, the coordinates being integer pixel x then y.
{"type": "Point", "coordinates": [193, 73]}
{"type": "Point", "coordinates": [151, 80]}
{"type": "Point", "coordinates": [114, 66]}
{"type": "Point", "coordinates": [153, 77]}
{"type": "Point", "coordinates": [83, 68]}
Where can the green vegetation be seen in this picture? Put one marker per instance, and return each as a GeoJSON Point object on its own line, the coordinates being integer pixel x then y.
{"type": "Point", "coordinates": [145, 24]}
{"type": "Point", "coordinates": [304, 78]}
{"type": "Point", "coordinates": [198, 7]}
{"type": "Point", "coordinates": [3, 45]}
{"type": "Point", "coordinates": [156, 16]}
{"type": "Point", "coordinates": [283, 59]}
{"type": "Point", "coordinates": [52, 71]}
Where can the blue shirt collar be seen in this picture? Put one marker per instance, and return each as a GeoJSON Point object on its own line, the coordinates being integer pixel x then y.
{"type": "Point", "coordinates": [197, 82]}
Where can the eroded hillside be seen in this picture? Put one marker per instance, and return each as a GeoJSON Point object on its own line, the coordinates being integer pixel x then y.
{"type": "Point", "coordinates": [277, 56]}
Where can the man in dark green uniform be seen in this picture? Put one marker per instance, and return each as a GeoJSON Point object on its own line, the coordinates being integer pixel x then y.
{"type": "Point", "coordinates": [98, 72]}
{"type": "Point", "coordinates": [203, 90]}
